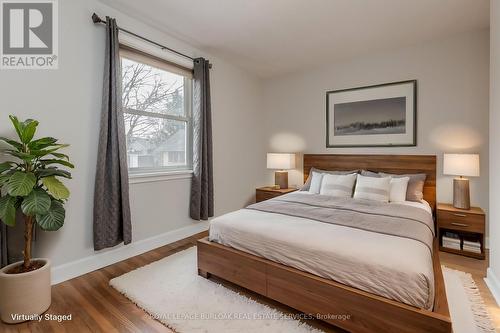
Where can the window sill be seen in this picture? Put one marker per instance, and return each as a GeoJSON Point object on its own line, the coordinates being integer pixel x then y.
{"type": "Point", "coordinates": [159, 176]}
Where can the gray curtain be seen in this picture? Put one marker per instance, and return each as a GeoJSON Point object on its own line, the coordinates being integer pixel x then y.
{"type": "Point", "coordinates": [202, 185]}
{"type": "Point", "coordinates": [111, 200]}
{"type": "Point", "coordinates": [12, 241]}
{"type": "Point", "coordinates": [4, 255]}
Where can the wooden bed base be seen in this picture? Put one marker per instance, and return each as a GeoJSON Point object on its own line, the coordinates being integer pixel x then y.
{"type": "Point", "coordinates": [325, 298]}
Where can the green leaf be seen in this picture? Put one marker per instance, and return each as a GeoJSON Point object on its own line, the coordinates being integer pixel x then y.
{"type": "Point", "coordinates": [54, 161]}
{"type": "Point", "coordinates": [17, 126]}
{"type": "Point", "coordinates": [42, 173]}
{"type": "Point", "coordinates": [59, 155]}
{"type": "Point", "coordinates": [29, 130]}
{"type": "Point", "coordinates": [25, 130]}
{"type": "Point", "coordinates": [43, 152]}
{"type": "Point", "coordinates": [8, 210]}
{"type": "Point", "coordinates": [42, 143]}
{"type": "Point", "coordinates": [54, 218]}
{"type": "Point", "coordinates": [15, 144]}
{"type": "Point", "coordinates": [5, 166]}
{"type": "Point", "coordinates": [21, 183]}
{"type": "Point", "coordinates": [37, 202]}
{"type": "Point", "coordinates": [4, 179]}
{"type": "Point", "coordinates": [23, 156]}
{"type": "Point", "coordinates": [56, 187]}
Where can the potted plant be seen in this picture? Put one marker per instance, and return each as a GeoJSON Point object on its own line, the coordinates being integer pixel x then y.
{"type": "Point", "coordinates": [31, 185]}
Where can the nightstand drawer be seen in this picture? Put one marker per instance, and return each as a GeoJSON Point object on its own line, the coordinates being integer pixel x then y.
{"type": "Point", "coordinates": [265, 193]}
{"type": "Point", "coordinates": [262, 195]}
{"type": "Point", "coordinates": [461, 221]}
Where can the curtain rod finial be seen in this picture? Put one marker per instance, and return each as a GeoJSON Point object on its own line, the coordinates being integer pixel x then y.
{"type": "Point", "coordinates": [96, 18]}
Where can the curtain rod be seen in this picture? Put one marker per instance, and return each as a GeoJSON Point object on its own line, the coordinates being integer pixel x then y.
{"type": "Point", "coordinates": [96, 19]}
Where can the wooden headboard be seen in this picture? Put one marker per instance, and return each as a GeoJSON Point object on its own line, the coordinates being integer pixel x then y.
{"type": "Point", "coordinates": [396, 164]}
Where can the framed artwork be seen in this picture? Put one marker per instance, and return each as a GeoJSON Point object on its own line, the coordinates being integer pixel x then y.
{"type": "Point", "coordinates": [383, 115]}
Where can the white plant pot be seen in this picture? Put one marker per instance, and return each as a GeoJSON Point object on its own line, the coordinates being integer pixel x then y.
{"type": "Point", "coordinates": [25, 293]}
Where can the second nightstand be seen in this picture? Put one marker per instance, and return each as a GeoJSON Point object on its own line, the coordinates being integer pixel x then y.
{"type": "Point", "coordinates": [469, 225]}
{"type": "Point", "coordinates": [265, 193]}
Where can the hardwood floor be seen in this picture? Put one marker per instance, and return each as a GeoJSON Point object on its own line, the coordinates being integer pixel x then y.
{"type": "Point", "coordinates": [96, 307]}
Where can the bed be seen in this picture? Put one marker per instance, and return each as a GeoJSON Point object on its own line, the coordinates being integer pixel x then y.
{"type": "Point", "coordinates": [383, 272]}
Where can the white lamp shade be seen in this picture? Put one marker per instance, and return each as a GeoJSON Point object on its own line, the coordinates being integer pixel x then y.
{"type": "Point", "coordinates": [281, 161]}
{"type": "Point", "coordinates": [461, 165]}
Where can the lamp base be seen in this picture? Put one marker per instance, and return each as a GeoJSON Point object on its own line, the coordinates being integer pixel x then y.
{"type": "Point", "coordinates": [461, 193]}
{"type": "Point", "coordinates": [281, 179]}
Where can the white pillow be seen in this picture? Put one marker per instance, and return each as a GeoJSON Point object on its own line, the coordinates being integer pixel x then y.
{"type": "Point", "coordinates": [372, 188]}
{"type": "Point", "coordinates": [398, 189]}
{"type": "Point", "coordinates": [315, 182]}
{"type": "Point", "coordinates": [337, 185]}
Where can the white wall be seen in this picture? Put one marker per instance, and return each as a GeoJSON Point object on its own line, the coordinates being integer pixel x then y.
{"type": "Point", "coordinates": [452, 106]}
{"type": "Point", "coordinates": [67, 104]}
{"type": "Point", "coordinates": [493, 275]}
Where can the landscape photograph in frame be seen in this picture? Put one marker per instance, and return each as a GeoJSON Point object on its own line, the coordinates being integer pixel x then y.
{"type": "Point", "coordinates": [379, 115]}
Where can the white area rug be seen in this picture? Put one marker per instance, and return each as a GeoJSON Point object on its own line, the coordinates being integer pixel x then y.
{"type": "Point", "coordinates": [467, 309]}
{"type": "Point", "coordinates": [171, 291]}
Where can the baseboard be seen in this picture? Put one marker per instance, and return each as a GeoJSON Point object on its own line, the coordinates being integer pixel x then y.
{"type": "Point", "coordinates": [82, 266]}
{"type": "Point", "coordinates": [493, 284]}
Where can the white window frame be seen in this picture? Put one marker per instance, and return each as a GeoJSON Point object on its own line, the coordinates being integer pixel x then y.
{"type": "Point", "coordinates": [139, 175]}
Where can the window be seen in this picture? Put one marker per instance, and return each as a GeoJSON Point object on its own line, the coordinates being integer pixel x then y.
{"type": "Point", "coordinates": [157, 98]}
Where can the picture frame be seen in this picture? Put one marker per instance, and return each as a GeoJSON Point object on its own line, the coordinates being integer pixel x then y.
{"type": "Point", "coordinates": [382, 115]}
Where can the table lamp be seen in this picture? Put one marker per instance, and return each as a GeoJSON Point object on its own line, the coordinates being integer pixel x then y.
{"type": "Point", "coordinates": [281, 162]}
{"type": "Point", "coordinates": [461, 165]}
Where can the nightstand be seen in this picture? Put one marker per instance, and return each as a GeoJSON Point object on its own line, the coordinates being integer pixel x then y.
{"type": "Point", "coordinates": [469, 225]}
{"type": "Point", "coordinates": [265, 193]}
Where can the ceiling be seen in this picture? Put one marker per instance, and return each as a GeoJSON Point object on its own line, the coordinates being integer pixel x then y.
{"type": "Point", "coordinates": [274, 37]}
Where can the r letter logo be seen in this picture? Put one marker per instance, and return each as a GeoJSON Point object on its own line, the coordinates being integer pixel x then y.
{"type": "Point", "coordinates": [29, 34]}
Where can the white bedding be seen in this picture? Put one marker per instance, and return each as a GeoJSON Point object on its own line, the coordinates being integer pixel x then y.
{"type": "Point", "coordinates": [394, 267]}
